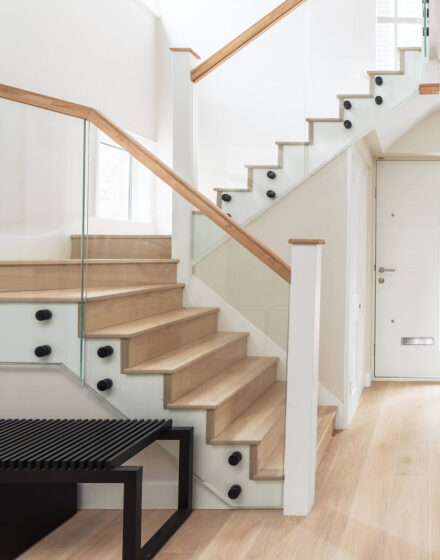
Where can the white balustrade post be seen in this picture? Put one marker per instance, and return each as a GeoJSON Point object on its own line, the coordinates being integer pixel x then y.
{"type": "Point", "coordinates": [184, 156]}
{"type": "Point", "coordinates": [302, 377]}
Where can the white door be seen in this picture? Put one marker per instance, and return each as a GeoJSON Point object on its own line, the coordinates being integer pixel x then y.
{"type": "Point", "coordinates": [407, 269]}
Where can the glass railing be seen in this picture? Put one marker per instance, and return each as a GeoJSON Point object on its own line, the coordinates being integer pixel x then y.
{"type": "Point", "coordinates": [425, 28]}
{"type": "Point", "coordinates": [153, 344]}
{"type": "Point", "coordinates": [260, 150]}
{"type": "Point", "coordinates": [88, 283]}
{"type": "Point", "coordinates": [42, 177]}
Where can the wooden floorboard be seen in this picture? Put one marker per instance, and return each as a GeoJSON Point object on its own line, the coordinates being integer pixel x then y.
{"type": "Point", "coordinates": [378, 498]}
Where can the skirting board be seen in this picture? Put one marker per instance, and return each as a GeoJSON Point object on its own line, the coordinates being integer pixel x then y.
{"type": "Point", "coordinates": [155, 495]}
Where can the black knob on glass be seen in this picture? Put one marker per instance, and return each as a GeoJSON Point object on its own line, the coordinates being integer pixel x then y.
{"type": "Point", "coordinates": [226, 197]}
{"type": "Point", "coordinates": [235, 458]}
{"type": "Point", "coordinates": [378, 100]}
{"type": "Point", "coordinates": [378, 80]}
{"type": "Point", "coordinates": [105, 351]}
{"type": "Point", "coordinates": [43, 315]}
{"type": "Point", "coordinates": [347, 104]}
{"type": "Point", "coordinates": [234, 491]}
{"type": "Point", "coordinates": [271, 175]}
{"type": "Point", "coordinates": [104, 384]}
{"type": "Point", "coordinates": [347, 124]}
{"type": "Point", "coordinates": [41, 351]}
{"type": "Point", "coordinates": [271, 194]}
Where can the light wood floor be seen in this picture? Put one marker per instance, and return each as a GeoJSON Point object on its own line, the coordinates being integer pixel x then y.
{"type": "Point", "coordinates": [378, 498]}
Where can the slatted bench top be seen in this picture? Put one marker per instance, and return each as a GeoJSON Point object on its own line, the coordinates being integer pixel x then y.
{"type": "Point", "coordinates": [42, 445]}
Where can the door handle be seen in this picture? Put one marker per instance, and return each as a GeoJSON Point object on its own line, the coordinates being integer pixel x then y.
{"type": "Point", "coordinates": [382, 270]}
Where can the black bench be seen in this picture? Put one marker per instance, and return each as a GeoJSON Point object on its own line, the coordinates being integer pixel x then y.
{"type": "Point", "coordinates": [42, 461]}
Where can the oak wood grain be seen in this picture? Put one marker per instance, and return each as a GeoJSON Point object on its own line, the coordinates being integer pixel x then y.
{"type": "Point", "coordinates": [160, 169]}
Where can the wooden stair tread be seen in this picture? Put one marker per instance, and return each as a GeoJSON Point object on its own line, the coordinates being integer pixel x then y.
{"type": "Point", "coordinates": [182, 357]}
{"type": "Point", "coordinates": [325, 429]}
{"type": "Point", "coordinates": [110, 236]}
{"type": "Point", "coordinates": [273, 468]}
{"type": "Point", "coordinates": [93, 294]}
{"type": "Point", "coordinates": [326, 415]}
{"type": "Point", "coordinates": [148, 324]}
{"type": "Point", "coordinates": [88, 261]}
{"type": "Point", "coordinates": [222, 387]}
{"type": "Point", "coordinates": [251, 426]}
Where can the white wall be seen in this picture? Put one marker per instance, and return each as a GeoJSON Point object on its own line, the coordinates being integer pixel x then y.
{"type": "Point", "coordinates": [261, 95]}
{"type": "Point", "coordinates": [41, 186]}
{"type": "Point", "coordinates": [422, 139]}
{"type": "Point", "coordinates": [342, 47]}
{"type": "Point", "coordinates": [97, 53]}
{"type": "Point", "coordinates": [41, 182]}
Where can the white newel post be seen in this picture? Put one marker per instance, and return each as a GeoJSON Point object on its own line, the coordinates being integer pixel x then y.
{"type": "Point", "coordinates": [302, 377]}
{"type": "Point", "coordinates": [184, 156]}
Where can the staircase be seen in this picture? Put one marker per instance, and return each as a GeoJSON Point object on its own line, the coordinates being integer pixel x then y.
{"type": "Point", "coordinates": [162, 359]}
{"type": "Point", "coordinates": [327, 137]}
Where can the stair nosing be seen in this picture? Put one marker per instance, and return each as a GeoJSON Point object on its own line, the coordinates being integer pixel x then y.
{"type": "Point", "coordinates": [270, 362]}
{"type": "Point", "coordinates": [110, 236]}
{"type": "Point", "coordinates": [275, 415]}
{"type": "Point", "coordinates": [170, 371]}
{"type": "Point", "coordinates": [76, 262]}
{"type": "Point", "coordinates": [99, 334]}
{"type": "Point", "coordinates": [133, 290]}
{"type": "Point", "coordinates": [332, 416]}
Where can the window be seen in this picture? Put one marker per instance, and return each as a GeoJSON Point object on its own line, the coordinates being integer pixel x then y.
{"type": "Point", "coordinates": [123, 187]}
{"type": "Point", "coordinates": [399, 24]}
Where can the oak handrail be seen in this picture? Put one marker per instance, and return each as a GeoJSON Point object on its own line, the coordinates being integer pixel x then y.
{"type": "Point", "coordinates": [156, 166]}
{"type": "Point", "coordinates": [244, 39]}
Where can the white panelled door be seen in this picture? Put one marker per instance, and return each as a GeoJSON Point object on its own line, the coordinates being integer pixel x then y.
{"type": "Point", "coordinates": [407, 269]}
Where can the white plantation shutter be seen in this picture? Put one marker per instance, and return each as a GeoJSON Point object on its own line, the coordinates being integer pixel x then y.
{"type": "Point", "coordinates": [399, 24]}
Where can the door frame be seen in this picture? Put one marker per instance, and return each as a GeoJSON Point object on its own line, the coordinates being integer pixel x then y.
{"type": "Point", "coordinates": [352, 398]}
{"type": "Point", "coordinates": [409, 157]}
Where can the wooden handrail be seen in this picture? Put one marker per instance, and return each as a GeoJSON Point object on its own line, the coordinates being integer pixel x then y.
{"type": "Point", "coordinates": [156, 166]}
{"type": "Point", "coordinates": [244, 39]}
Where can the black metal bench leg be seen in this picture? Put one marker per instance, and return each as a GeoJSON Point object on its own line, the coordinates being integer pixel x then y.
{"type": "Point", "coordinates": [131, 535]}
{"type": "Point", "coordinates": [185, 437]}
{"type": "Point", "coordinates": [186, 445]}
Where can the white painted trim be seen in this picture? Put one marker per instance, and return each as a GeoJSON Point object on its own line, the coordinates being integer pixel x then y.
{"type": "Point", "coordinates": [367, 377]}
{"type": "Point", "coordinates": [184, 159]}
{"type": "Point", "coordinates": [352, 397]}
{"type": "Point", "coordinates": [409, 379]}
{"type": "Point", "coordinates": [302, 380]}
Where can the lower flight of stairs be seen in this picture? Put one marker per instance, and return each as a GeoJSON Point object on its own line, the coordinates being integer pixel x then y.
{"type": "Point", "coordinates": [202, 369]}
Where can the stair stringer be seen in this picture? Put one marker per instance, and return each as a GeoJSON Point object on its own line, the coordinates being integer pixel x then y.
{"type": "Point", "coordinates": [142, 396]}
{"type": "Point", "coordinates": [297, 161]}
{"type": "Point", "coordinates": [132, 395]}
{"type": "Point", "coordinates": [21, 333]}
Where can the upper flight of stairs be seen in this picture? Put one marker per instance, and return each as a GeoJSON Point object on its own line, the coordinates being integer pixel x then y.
{"type": "Point", "coordinates": [358, 114]}
{"type": "Point", "coordinates": [203, 371]}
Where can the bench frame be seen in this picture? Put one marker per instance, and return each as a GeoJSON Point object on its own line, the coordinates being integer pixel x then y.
{"type": "Point", "coordinates": [59, 503]}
